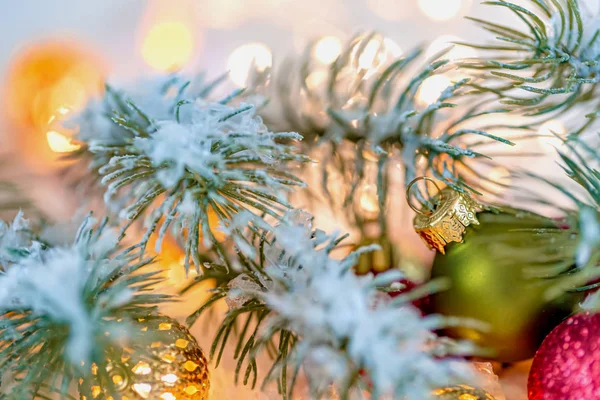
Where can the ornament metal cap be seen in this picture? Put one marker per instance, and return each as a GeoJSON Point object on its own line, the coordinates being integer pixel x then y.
{"type": "Point", "coordinates": [448, 222]}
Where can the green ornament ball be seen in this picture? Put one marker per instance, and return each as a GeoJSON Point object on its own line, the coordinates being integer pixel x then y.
{"type": "Point", "coordinates": [490, 281]}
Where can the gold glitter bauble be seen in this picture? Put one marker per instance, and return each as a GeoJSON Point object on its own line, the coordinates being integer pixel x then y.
{"type": "Point", "coordinates": [461, 392]}
{"type": "Point", "coordinates": [175, 369]}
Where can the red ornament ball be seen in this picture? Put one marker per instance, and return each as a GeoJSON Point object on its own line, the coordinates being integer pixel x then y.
{"type": "Point", "coordinates": [567, 365]}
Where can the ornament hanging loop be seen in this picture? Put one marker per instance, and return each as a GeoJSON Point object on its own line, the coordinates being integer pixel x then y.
{"type": "Point", "coordinates": [409, 187]}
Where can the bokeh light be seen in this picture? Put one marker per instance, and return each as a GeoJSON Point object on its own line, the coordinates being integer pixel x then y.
{"type": "Point", "coordinates": [46, 84]}
{"type": "Point", "coordinates": [440, 10]}
{"type": "Point", "coordinates": [316, 80]}
{"type": "Point", "coordinates": [247, 57]}
{"type": "Point", "coordinates": [431, 89]}
{"type": "Point", "coordinates": [59, 143]}
{"type": "Point", "coordinates": [548, 132]}
{"type": "Point", "coordinates": [455, 52]}
{"type": "Point", "coordinates": [50, 80]}
{"type": "Point", "coordinates": [327, 49]}
{"type": "Point", "coordinates": [377, 53]}
{"type": "Point", "coordinates": [369, 203]}
{"type": "Point", "coordinates": [168, 45]}
{"type": "Point", "coordinates": [551, 128]}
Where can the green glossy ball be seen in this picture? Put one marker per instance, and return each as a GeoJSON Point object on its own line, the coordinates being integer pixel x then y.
{"type": "Point", "coordinates": [490, 281]}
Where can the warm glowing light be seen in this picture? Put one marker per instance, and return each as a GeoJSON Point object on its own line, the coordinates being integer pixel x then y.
{"type": "Point", "coordinates": [377, 52]}
{"type": "Point", "coordinates": [165, 326]}
{"type": "Point", "coordinates": [96, 390]}
{"type": "Point", "coordinates": [552, 128]}
{"type": "Point", "coordinates": [440, 10]}
{"type": "Point", "coordinates": [190, 366]}
{"type": "Point", "coordinates": [548, 132]}
{"type": "Point", "coordinates": [431, 89]}
{"type": "Point", "coordinates": [142, 368]}
{"type": "Point", "coordinates": [191, 389]}
{"type": "Point", "coordinates": [168, 46]}
{"type": "Point", "coordinates": [48, 81]}
{"type": "Point", "coordinates": [168, 358]}
{"type": "Point", "coordinates": [328, 49]}
{"type": "Point", "coordinates": [169, 378]}
{"type": "Point", "coordinates": [368, 200]}
{"type": "Point", "coordinates": [59, 143]}
{"type": "Point", "coordinates": [455, 52]}
{"type": "Point", "coordinates": [117, 380]}
{"type": "Point", "coordinates": [247, 57]}
{"type": "Point", "coordinates": [167, 396]}
{"type": "Point", "coordinates": [316, 80]}
{"type": "Point", "coordinates": [143, 389]}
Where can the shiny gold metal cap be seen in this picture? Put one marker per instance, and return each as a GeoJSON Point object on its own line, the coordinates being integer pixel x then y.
{"type": "Point", "coordinates": [447, 223]}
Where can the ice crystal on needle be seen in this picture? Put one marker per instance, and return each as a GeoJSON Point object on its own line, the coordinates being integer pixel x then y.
{"type": "Point", "coordinates": [199, 158]}
{"type": "Point", "coordinates": [327, 321]}
{"type": "Point", "coordinates": [16, 240]}
{"type": "Point", "coordinates": [322, 301]}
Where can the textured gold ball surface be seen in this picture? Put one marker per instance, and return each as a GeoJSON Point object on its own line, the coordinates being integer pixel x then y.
{"type": "Point", "coordinates": [489, 280]}
{"type": "Point", "coordinates": [461, 392]}
{"type": "Point", "coordinates": [175, 369]}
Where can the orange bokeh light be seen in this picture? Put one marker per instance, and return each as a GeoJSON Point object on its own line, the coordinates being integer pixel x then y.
{"type": "Point", "coordinates": [49, 80]}
{"type": "Point", "coordinates": [45, 84]}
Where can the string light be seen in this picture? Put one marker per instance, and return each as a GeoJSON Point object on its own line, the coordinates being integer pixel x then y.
{"type": "Point", "coordinates": [456, 52]}
{"type": "Point", "coordinates": [327, 49]}
{"type": "Point", "coordinates": [168, 46]}
{"type": "Point", "coordinates": [431, 89]}
{"type": "Point", "coordinates": [246, 57]}
{"type": "Point", "coordinates": [440, 10]}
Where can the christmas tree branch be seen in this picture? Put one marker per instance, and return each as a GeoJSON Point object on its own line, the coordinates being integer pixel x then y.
{"type": "Point", "coordinates": [551, 64]}
{"type": "Point", "coordinates": [185, 160]}
{"type": "Point", "coordinates": [361, 114]}
{"type": "Point", "coordinates": [63, 307]}
{"type": "Point", "coordinates": [290, 299]}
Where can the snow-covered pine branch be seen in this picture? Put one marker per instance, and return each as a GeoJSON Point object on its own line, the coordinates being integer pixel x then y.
{"type": "Point", "coordinates": [320, 318]}
{"type": "Point", "coordinates": [62, 307]}
{"type": "Point", "coordinates": [187, 160]}
{"type": "Point", "coordinates": [547, 63]}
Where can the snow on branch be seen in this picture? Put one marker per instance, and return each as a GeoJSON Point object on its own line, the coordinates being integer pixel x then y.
{"type": "Point", "coordinates": [186, 161]}
{"type": "Point", "coordinates": [60, 307]}
{"type": "Point", "coordinates": [322, 319]}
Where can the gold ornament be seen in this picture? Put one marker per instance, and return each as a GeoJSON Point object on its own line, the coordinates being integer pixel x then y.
{"type": "Point", "coordinates": [494, 262]}
{"type": "Point", "coordinates": [461, 392]}
{"type": "Point", "coordinates": [449, 221]}
{"type": "Point", "coordinates": [176, 369]}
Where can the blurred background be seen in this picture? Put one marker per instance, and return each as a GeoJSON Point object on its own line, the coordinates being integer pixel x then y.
{"type": "Point", "coordinates": [55, 55]}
